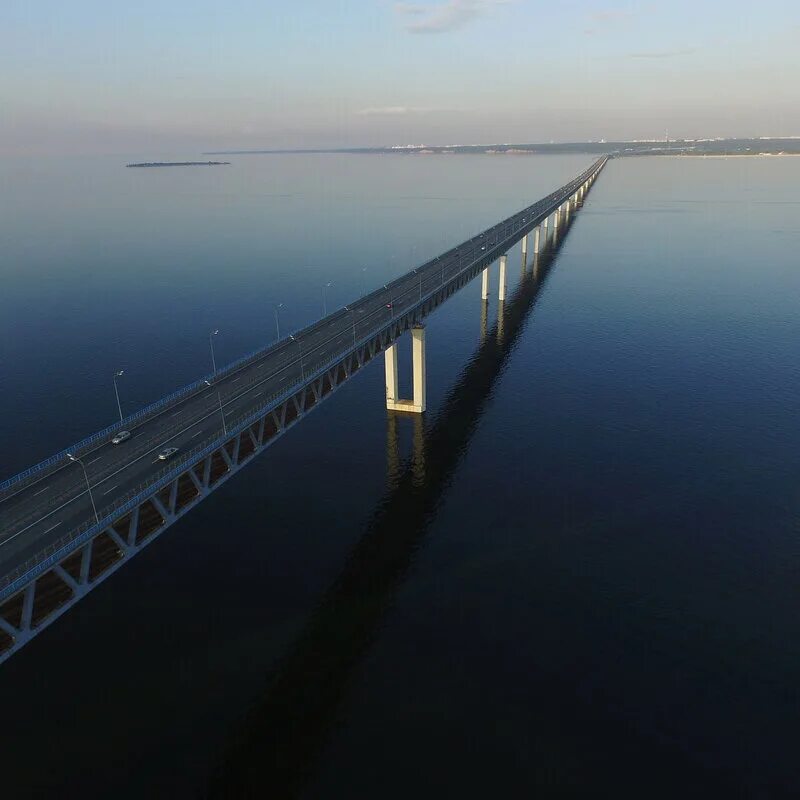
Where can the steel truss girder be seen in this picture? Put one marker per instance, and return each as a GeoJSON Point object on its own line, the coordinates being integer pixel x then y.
{"type": "Point", "coordinates": [166, 500]}
{"type": "Point", "coordinates": [170, 504]}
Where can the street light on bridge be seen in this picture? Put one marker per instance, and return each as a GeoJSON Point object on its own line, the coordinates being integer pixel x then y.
{"type": "Point", "coordinates": [325, 287]}
{"type": "Point", "coordinates": [88, 486]}
{"type": "Point", "coordinates": [221, 410]}
{"type": "Point", "coordinates": [278, 307]}
{"type": "Point", "coordinates": [211, 344]}
{"type": "Point", "coordinates": [116, 392]}
{"type": "Point", "coordinates": [300, 348]}
{"type": "Point", "coordinates": [353, 320]}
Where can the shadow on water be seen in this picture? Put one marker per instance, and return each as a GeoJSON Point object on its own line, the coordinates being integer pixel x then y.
{"type": "Point", "coordinates": [273, 752]}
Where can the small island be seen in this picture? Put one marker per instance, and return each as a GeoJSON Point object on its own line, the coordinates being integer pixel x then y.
{"type": "Point", "coordinates": [180, 164]}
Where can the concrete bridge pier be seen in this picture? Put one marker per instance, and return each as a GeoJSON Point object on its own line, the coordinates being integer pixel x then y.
{"type": "Point", "coordinates": [485, 284]}
{"type": "Point", "coordinates": [524, 245]}
{"type": "Point", "coordinates": [536, 235]}
{"type": "Point", "coordinates": [501, 293]}
{"type": "Point", "coordinates": [418, 404]}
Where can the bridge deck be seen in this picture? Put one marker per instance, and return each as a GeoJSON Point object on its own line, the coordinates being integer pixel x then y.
{"type": "Point", "coordinates": [43, 508]}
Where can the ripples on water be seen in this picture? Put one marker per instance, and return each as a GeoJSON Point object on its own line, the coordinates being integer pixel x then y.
{"type": "Point", "coordinates": [578, 575]}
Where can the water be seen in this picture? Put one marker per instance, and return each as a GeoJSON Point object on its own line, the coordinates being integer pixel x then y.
{"type": "Point", "coordinates": [578, 577]}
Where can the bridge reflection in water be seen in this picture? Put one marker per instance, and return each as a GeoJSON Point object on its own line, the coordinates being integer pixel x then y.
{"type": "Point", "coordinates": [273, 751]}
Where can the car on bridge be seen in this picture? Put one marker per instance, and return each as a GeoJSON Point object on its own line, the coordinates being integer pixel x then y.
{"type": "Point", "coordinates": [166, 454]}
{"type": "Point", "coordinates": [120, 437]}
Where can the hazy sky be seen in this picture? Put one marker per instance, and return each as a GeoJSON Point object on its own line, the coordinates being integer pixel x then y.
{"type": "Point", "coordinates": [175, 75]}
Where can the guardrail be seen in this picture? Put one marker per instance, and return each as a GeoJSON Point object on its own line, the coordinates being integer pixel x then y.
{"type": "Point", "coordinates": [61, 457]}
{"type": "Point", "coordinates": [58, 550]}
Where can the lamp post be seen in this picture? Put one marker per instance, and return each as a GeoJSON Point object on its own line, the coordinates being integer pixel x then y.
{"type": "Point", "coordinates": [88, 486]}
{"type": "Point", "coordinates": [278, 306]}
{"type": "Point", "coordinates": [363, 281]}
{"type": "Point", "coordinates": [325, 287]}
{"type": "Point", "coordinates": [116, 392]}
{"type": "Point", "coordinates": [300, 348]}
{"type": "Point", "coordinates": [353, 318]}
{"type": "Point", "coordinates": [211, 343]}
{"type": "Point", "coordinates": [221, 410]}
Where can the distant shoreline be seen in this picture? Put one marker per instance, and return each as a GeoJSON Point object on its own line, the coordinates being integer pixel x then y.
{"type": "Point", "coordinates": [732, 155]}
{"type": "Point", "coordinates": [180, 164]}
{"type": "Point", "coordinates": [762, 146]}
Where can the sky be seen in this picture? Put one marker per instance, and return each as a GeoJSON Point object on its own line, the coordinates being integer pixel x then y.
{"type": "Point", "coordinates": [107, 76]}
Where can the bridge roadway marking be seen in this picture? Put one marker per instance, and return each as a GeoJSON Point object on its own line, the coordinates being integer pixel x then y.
{"type": "Point", "coordinates": [455, 251]}
{"type": "Point", "coordinates": [339, 337]}
{"type": "Point", "coordinates": [176, 435]}
{"type": "Point", "coordinates": [316, 346]}
{"type": "Point", "coordinates": [104, 444]}
{"type": "Point", "coordinates": [451, 263]}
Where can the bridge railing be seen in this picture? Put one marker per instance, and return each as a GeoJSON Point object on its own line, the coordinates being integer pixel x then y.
{"type": "Point", "coordinates": [55, 552]}
{"type": "Point", "coordinates": [153, 409]}
{"type": "Point", "coordinates": [59, 549]}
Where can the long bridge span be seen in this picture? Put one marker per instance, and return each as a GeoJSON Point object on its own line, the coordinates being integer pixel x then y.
{"type": "Point", "coordinates": [68, 523]}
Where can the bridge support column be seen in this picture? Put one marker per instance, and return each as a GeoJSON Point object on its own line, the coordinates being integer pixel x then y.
{"type": "Point", "coordinates": [485, 284]}
{"type": "Point", "coordinates": [420, 367]}
{"type": "Point", "coordinates": [501, 294]}
{"type": "Point", "coordinates": [391, 375]}
{"type": "Point", "coordinates": [536, 236]}
{"type": "Point", "coordinates": [525, 245]}
{"type": "Point", "coordinates": [418, 404]}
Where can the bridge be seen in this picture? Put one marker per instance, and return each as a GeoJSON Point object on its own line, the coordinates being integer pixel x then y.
{"type": "Point", "coordinates": [71, 521]}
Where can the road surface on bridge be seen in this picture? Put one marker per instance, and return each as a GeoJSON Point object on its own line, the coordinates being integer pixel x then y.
{"type": "Point", "coordinates": [45, 506]}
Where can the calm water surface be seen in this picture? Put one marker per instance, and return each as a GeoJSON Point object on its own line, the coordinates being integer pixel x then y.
{"type": "Point", "coordinates": [579, 575]}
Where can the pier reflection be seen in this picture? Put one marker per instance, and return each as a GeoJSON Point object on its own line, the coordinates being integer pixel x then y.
{"type": "Point", "coordinates": [274, 750]}
{"type": "Point", "coordinates": [395, 421]}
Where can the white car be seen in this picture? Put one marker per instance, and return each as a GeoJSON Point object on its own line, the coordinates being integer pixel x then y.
{"type": "Point", "coordinates": [168, 453]}
{"type": "Point", "coordinates": [121, 436]}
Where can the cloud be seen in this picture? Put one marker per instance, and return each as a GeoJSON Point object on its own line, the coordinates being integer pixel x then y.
{"type": "Point", "coordinates": [444, 17]}
{"type": "Point", "coordinates": [687, 51]}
